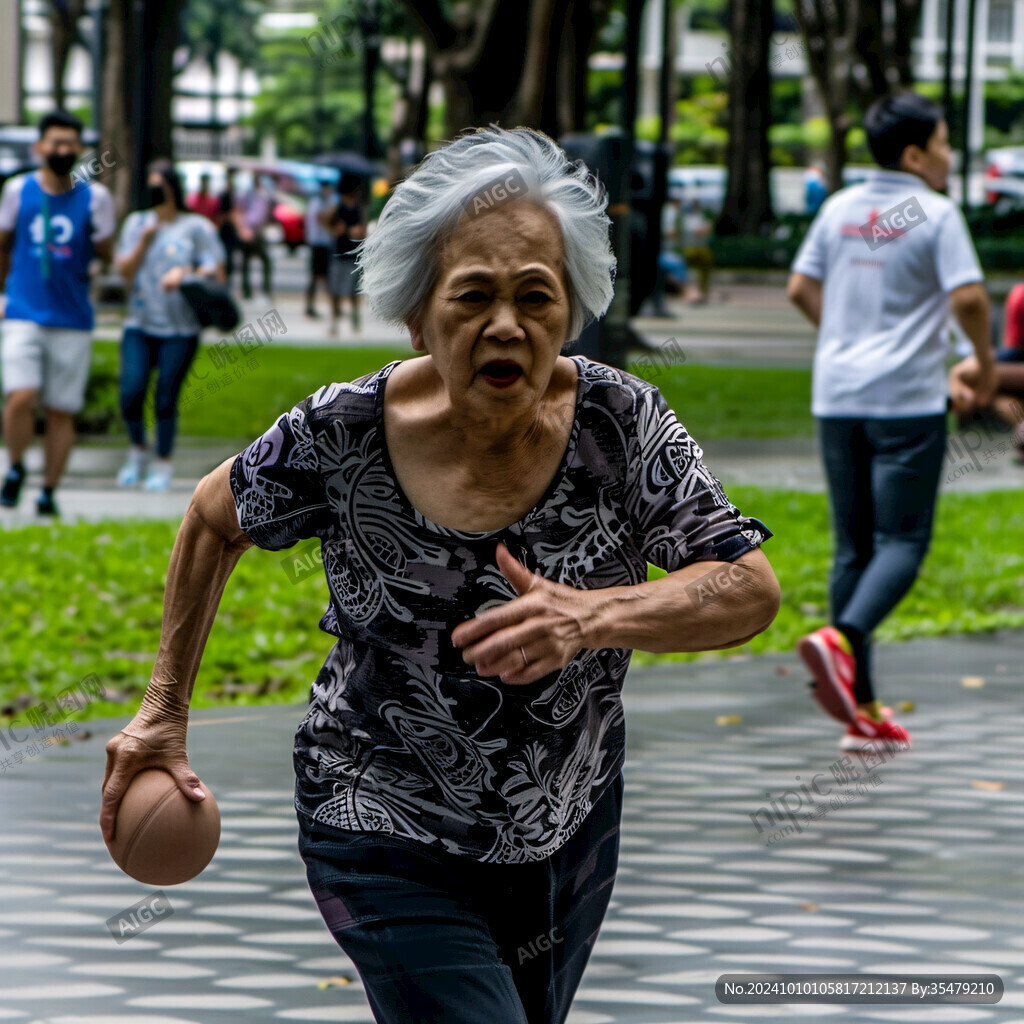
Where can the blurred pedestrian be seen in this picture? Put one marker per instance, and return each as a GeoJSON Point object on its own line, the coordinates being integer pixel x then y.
{"type": "Point", "coordinates": [257, 212]}
{"type": "Point", "coordinates": [204, 202]}
{"type": "Point", "coordinates": [159, 248]}
{"type": "Point", "coordinates": [815, 189]}
{"type": "Point", "coordinates": [320, 240]}
{"type": "Point", "coordinates": [695, 231]}
{"type": "Point", "coordinates": [881, 267]}
{"type": "Point", "coordinates": [228, 218]}
{"type": "Point", "coordinates": [50, 229]}
{"type": "Point", "coordinates": [1008, 401]}
{"type": "Point", "coordinates": [348, 225]}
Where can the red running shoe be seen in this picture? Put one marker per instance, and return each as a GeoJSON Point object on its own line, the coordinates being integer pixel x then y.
{"type": "Point", "coordinates": [826, 652]}
{"type": "Point", "coordinates": [874, 735]}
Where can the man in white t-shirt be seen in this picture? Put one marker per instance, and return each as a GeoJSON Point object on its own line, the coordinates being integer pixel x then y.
{"type": "Point", "coordinates": [882, 266]}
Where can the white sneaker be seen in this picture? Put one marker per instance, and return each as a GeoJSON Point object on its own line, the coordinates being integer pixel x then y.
{"type": "Point", "coordinates": [159, 477]}
{"type": "Point", "coordinates": [131, 472]}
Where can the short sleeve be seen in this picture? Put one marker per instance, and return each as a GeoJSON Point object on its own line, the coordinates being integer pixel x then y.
{"type": "Point", "coordinates": [812, 257]}
{"type": "Point", "coordinates": [956, 262]}
{"type": "Point", "coordinates": [101, 211]}
{"type": "Point", "coordinates": [208, 249]}
{"type": "Point", "coordinates": [130, 232]}
{"type": "Point", "coordinates": [679, 512]}
{"type": "Point", "coordinates": [10, 201]}
{"type": "Point", "coordinates": [280, 494]}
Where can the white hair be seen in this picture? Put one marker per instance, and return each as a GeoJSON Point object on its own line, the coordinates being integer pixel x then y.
{"type": "Point", "coordinates": [400, 260]}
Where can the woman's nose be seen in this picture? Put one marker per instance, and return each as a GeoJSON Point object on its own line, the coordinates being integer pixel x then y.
{"type": "Point", "coordinates": [504, 324]}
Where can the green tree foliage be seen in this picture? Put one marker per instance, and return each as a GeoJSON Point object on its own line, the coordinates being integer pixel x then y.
{"type": "Point", "coordinates": [314, 103]}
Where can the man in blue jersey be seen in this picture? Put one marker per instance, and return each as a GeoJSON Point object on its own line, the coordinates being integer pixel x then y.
{"type": "Point", "coordinates": [50, 230]}
{"type": "Point", "coordinates": [883, 266]}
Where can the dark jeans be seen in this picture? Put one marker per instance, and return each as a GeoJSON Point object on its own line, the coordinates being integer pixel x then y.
{"type": "Point", "coordinates": [443, 939]}
{"type": "Point", "coordinates": [883, 477]}
{"type": "Point", "coordinates": [140, 353]}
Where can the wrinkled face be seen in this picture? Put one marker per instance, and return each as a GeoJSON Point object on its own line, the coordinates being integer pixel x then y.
{"type": "Point", "coordinates": [932, 162]}
{"type": "Point", "coordinates": [498, 315]}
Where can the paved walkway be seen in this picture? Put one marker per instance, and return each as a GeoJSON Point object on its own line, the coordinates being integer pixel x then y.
{"type": "Point", "coordinates": [975, 462]}
{"type": "Point", "coordinates": [916, 869]}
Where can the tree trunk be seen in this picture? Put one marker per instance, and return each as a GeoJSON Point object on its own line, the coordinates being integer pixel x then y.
{"type": "Point", "coordinates": [162, 23]}
{"type": "Point", "coordinates": [116, 125]}
{"type": "Point", "coordinates": [64, 17]}
{"type": "Point", "coordinates": [528, 106]}
{"type": "Point", "coordinates": [829, 31]}
{"type": "Point", "coordinates": [748, 203]}
{"type": "Point", "coordinates": [908, 21]}
{"type": "Point", "coordinates": [157, 38]}
{"type": "Point", "coordinates": [512, 62]}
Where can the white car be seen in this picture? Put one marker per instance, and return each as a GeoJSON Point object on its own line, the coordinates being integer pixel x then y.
{"type": "Point", "coordinates": [1004, 178]}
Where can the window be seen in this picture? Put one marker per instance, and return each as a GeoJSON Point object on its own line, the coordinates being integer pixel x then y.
{"type": "Point", "coordinates": [1000, 21]}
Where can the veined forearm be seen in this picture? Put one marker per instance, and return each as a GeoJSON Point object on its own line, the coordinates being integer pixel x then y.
{"type": "Point", "coordinates": [704, 606]}
{"type": "Point", "coordinates": [201, 562]}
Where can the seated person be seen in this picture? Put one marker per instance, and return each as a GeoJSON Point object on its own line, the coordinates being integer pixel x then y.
{"type": "Point", "coordinates": [1008, 403]}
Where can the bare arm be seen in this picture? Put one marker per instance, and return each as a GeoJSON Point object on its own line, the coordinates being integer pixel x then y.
{"type": "Point", "coordinates": [969, 304]}
{"type": "Point", "coordinates": [206, 550]}
{"type": "Point", "coordinates": [105, 249]}
{"type": "Point", "coordinates": [128, 266]}
{"type": "Point", "coordinates": [706, 606]}
{"type": "Point", "coordinates": [6, 245]}
{"type": "Point", "coordinates": [805, 293]}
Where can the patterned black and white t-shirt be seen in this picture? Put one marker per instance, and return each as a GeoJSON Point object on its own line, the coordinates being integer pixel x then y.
{"type": "Point", "coordinates": [401, 735]}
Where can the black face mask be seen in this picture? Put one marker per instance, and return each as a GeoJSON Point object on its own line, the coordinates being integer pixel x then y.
{"type": "Point", "coordinates": [61, 163]}
{"type": "Point", "coordinates": [156, 195]}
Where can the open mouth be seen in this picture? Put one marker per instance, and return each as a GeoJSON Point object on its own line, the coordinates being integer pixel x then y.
{"type": "Point", "coordinates": [501, 373]}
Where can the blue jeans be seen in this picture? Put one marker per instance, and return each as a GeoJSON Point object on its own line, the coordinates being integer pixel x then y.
{"type": "Point", "coordinates": [443, 939]}
{"type": "Point", "coordinates": [883, 478]}
{"type": "Point", "coordinates": [140, 353]}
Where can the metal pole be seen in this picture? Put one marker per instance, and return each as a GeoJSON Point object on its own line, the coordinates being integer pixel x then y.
{"type": "Point", "coordinates": [139, 99]}
{"type": "Point", "coordinates": [965, 151]}
{"type": "Point", "coordinates": [947, 76]}
{"type": "Point", "coordinates": [371, 54]}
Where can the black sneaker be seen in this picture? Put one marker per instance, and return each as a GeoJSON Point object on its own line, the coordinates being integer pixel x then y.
{"type": "Point", "coordinates": [46, 506]}
{"type": "Point", "coordinates": [12, 487]}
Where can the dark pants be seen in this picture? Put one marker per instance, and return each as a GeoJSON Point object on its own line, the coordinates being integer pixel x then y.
{"type": "Point", "coordinates": [883, 477]}
{"type": "Point", "coordinates": [229, 239]}
{"type": "Point", "coordinates": [171, 357]}
{"type": "Point", "coordinates": [256, 246]}
{"type": "Point", "coordinates": [443, 939]}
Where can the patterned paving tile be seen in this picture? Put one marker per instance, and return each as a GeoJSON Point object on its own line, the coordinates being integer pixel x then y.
{"type": "Point", "coordinates": [921, 873]}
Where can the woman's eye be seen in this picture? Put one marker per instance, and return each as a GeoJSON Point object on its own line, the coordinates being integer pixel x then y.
{"type": "Point", "coordinates": [536, 297]}
{"type": "Point", "coordinates": [473, 296]}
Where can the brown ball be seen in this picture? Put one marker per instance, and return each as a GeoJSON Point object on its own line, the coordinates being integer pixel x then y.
{"type": "Point", "coordinates": [160, 836]}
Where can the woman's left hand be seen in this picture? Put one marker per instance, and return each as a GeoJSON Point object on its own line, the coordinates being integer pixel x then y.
{"type": "Point", "coordinates": [536, 633]}
{"type": "Point", "coordinates": [173, 278]}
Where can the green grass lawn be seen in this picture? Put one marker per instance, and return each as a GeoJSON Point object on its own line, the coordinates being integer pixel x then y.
{"type": "Point", "coordinates": [712, 401]}
{"type": "Point", "coordinates": [88, 599]}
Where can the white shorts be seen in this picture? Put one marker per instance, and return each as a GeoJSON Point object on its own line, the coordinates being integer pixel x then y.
{"type": "Point", "coordinates": [51, 360]}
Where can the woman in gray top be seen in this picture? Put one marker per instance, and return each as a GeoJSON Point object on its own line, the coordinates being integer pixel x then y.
{"type": "Point", "coordinates": [158, 249]}
{"type": "Point", "coordinates": [486, 515]}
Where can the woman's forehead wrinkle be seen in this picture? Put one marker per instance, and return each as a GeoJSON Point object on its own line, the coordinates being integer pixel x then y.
{"type": "Point", "coordinates": [502, 238]}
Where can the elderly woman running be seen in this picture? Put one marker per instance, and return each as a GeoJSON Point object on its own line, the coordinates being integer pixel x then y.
{"type": "Point", "coordinates": [486, 514]}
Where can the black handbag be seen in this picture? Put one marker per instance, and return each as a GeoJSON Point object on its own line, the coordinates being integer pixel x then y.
{"type": "Point", "coordinates": [211, 302]}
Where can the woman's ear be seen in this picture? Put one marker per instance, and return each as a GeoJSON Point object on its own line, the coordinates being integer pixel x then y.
{"type": "Point", "coordinates": [416, 333]}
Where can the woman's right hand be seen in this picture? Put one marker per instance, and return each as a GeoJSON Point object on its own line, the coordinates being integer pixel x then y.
{"type": "Point", "coordinates": [149, 229]}
{"type": "Point", "coordinates": [144, 743]}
